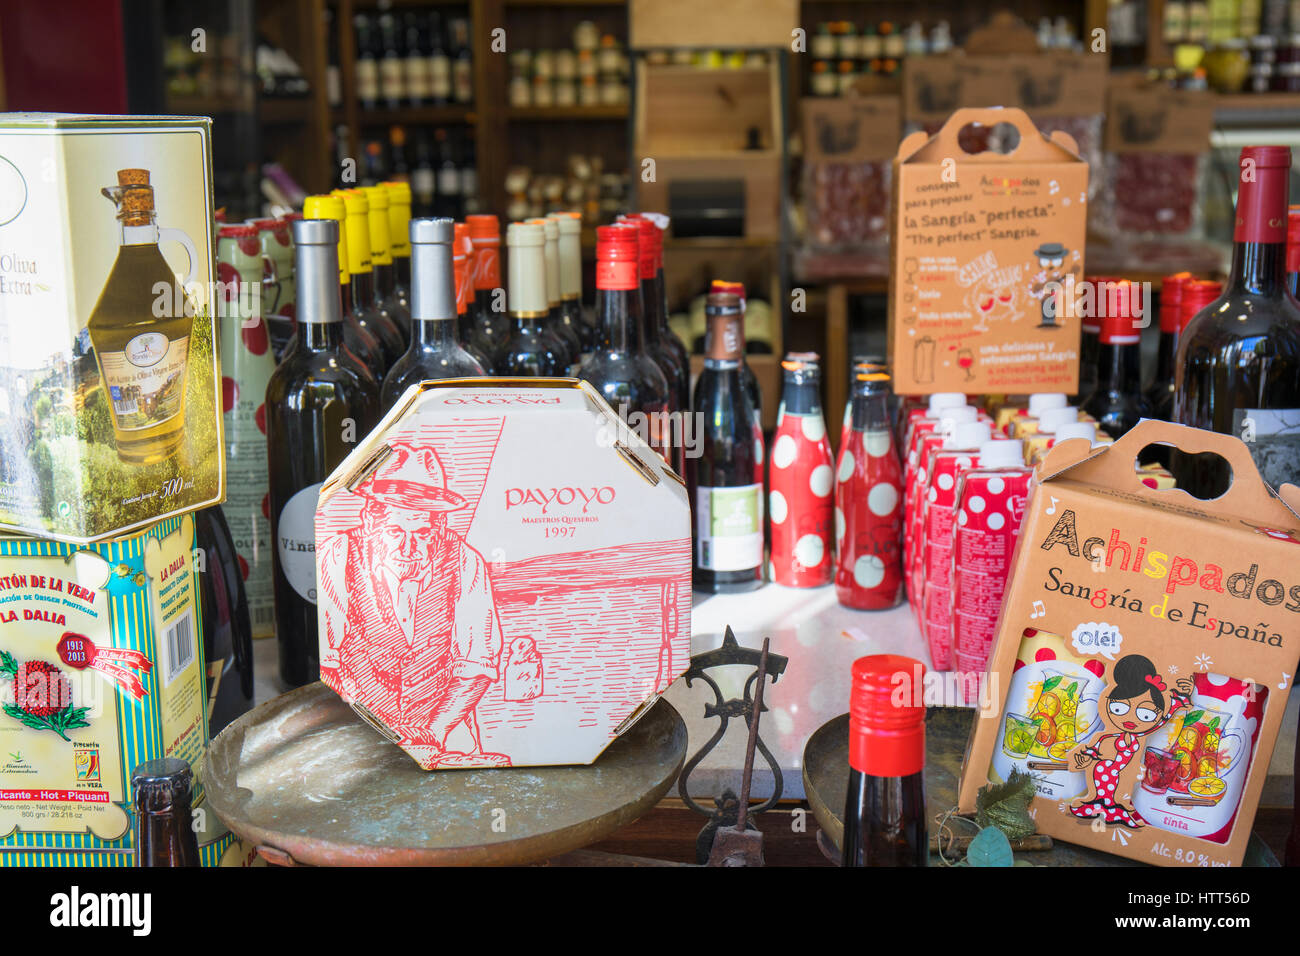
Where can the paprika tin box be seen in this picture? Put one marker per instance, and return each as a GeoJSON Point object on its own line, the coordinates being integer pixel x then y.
{"type": "Point", "coordinates": [986, 248]}
{"type": "Point", "coordinates": [1145, 651]}
{"type": "Point", "coordinates": [110, 416]}
{"type": "Point", "coordinates": [504, 574]}
{"type": "Point", "coordinates": [101, 668]}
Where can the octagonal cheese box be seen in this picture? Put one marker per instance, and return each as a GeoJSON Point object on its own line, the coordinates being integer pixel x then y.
{"type": "Point", "coordinates": [504, 574]}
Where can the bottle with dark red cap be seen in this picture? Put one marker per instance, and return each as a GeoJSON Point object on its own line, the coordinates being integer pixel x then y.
{"type": "Point", "coordinates": [487, 326]}
{"type": "Point", "coordinates": [1118, 402]}
{"type": "Point", "coordinates": [884, 814]}
{"type": "Point", "coordinates": [1090, 345]}
{"type": "Point", "coordinates": [1239, 360]}
{"type": "Point", "coordinates": [676, 367]}
{"type": "Point", "coordinates": [463, 261]}
{"type": "Point", "coordinates": [620, 369]}
{"type": "Point", "coordinates": [1160, 393]}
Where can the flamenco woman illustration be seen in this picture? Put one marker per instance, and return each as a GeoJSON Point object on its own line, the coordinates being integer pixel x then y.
{"type": "Point", "coordinates": [1135, 708]}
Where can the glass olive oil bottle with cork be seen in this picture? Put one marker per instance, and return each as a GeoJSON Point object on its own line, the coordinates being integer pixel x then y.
{"type": "Point", "coordinates": [143, 357]}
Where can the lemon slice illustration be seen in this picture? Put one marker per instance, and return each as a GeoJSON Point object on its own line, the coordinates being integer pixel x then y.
{"type": "Point", "coordinates": [1210, 787]}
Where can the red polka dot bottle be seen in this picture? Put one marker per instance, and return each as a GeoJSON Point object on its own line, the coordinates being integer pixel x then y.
{"type": "Point", "coordinates": [990, 505]}
{"type": "Point", "coordinates": [861, 363]}
{"type": "Point", "coordinates": [868, 503]}
{"type": "Point", "coordinates": [960, 454]}
{"type": "Point", "coordinates": [802, 480]}
{"type": "Point", "coordinates": [247, 363]}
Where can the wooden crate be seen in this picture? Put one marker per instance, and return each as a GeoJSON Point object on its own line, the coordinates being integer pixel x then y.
{"type": "Point", "coordinates": [695, 124]}
{"type": "Point", "coordinates": [734, 24]}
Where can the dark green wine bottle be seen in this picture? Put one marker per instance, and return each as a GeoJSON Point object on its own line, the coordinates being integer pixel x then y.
{"type": "Point", "coordinates": [320, 402]}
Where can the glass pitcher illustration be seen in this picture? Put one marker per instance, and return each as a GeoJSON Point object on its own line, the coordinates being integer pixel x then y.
{"type": "Point", "coordinates": [140, 328]}
{"type": "Point", "coordinates": [1193, 770]}
{"type": "Point", "coordinates": [1051, 707]}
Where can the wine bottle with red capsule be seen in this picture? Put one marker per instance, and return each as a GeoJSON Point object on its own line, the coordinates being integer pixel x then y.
{"type": "Point", "coordinates": [620, 369]}
{"type": "Point", "coordinates": [1160, 393]}
{"type": "Point", "coordinates": [884, 813]}
{"type": "Point", "coordinates": [1239, 359]}
{"type": "Point", "coordinates": [800, 501]}
{"type": "Point", "coordinates": [1118, 402]}
{"type": "Point", "coordinates": [869, 503]}
{"type": "Point", "coordinates": [486, 329]}
{"type": "Point", "coordinates": [246, 367]}
{"type": "Point", "coordinates": [463, 264]}
{"type": "Point", "coordinates": [658, 340]}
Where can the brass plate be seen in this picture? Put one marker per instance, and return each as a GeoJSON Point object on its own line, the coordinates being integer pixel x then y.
{"type": "Point", "coordinates": [304, 776]}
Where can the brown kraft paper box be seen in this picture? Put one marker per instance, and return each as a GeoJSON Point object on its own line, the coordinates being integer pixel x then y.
{"type": "Point", "coordinates": [1145, 651]}
{"type": "Point", "coordinates": [980, 242]}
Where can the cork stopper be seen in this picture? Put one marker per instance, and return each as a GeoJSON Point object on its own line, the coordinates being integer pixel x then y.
{"type": "Point", "coordinates": [133, 177]}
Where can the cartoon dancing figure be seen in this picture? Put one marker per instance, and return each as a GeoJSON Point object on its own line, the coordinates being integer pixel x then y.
{"type": "Point", "coordinates": [409, 614]}
{"type": "Point", "coordinates": [1135, 708]}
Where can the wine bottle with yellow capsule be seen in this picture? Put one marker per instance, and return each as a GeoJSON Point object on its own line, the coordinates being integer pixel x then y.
{"type": "Point", "coordinates": [360, 344]}
{"type": "Point", "coordinates": [381, 255]}
{"type": "Point", "coordinates": [361, 268]}
{"type": "Point", "coordinates": [320, 403]}
{"type": "Point", "coordinates": [399, 226]}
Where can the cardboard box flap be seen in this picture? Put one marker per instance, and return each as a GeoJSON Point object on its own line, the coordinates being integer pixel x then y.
{"type": "Point", "coordinates": [1060, 147]}
{"type": "Point", "coordinates": [1248, 498]}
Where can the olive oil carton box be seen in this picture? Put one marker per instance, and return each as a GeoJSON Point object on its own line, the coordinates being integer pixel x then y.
{"type": "Point", "coordinates": [1145, 651]}
{"type": "Point", "coordinates": [110, 400]}
{"type": "Point", "coordinates": [502, 574]}
{"type": "Point", "coordinates": [101, 668]}
{"type": "Point", "coordinates": [985, 248]}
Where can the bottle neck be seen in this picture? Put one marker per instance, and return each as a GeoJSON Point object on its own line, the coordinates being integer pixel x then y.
{"type": "Point", "coordinates": [618, 315]}
{"type": "Point", "coordinates": [140, 235]}
{"type": "Point", "coordinates": [1121, 367]}
{"type": "Point", "coordinates": [1166, 351]}
{"type": "Point", "coordinates": [385, 276]}
{"type": "Point", "coordinates": [165, 837]}
{"type": "Point", "coordinates": [402, 271]}
{"type": "Point", "coordinates": [801, 395]}
{"type": "Point", "coordinates": [870, 411]}
{"type": "Point", "coordinates": [434, 333]}
{"type": "Point", "coordinates": [320, 336]}
{"type": "Point", "coordinates": [1258, 268]}
{"type": "Point", "coordinates": [363, 289]}
{"type": "Point", "coordinates": [652, 299]}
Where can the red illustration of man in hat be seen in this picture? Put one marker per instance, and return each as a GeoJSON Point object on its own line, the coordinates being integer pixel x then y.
{"type": "Point", "coordinates": [409, 617]}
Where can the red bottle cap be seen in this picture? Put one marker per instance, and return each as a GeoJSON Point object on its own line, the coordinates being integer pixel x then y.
{"type": "Point", "coordinates": [483, 227]}
{"type": "Point", "coordinates": [463, 272]}
{"type": "Point", "coordinates": [485, 233]}
{"type": "Point", "coordinates": [1262, 194]}
{"type": "Point", "coordinates": [1293, 239]}
{"type": "Point", "coordinates": [1197, 294]}
{"type": "Point", "coordinates": [1120, 325]}
{"type": "Point", "coordinates": [1091, 324]}
{"type": "Point", "coordinates": [652, 243]}
{"type": "Point", "coordinates": [887, 716]}
{"type": "Point", "coordinates": [618, 254]}
{"type": "Point", "coordinates": [1171, 297]}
